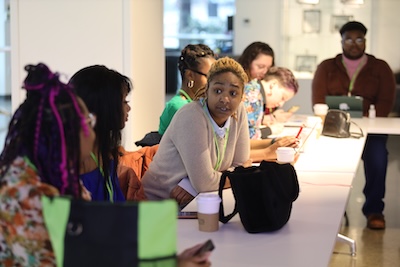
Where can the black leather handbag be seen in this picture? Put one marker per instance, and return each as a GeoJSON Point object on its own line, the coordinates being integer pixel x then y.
{"type": "Point", "coordinates": [337, 124]}
{"type": "Point", "coordinates": [264, 195]}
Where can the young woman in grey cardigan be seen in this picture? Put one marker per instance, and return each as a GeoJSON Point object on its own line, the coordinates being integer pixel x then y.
{"type": "Point", "coordinates": [205, 137]}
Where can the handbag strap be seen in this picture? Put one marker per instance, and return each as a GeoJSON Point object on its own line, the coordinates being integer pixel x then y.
{"type": "Point", "coordinates": [222, 217]}
{"type": "Point", "coordinates": [359, 134]}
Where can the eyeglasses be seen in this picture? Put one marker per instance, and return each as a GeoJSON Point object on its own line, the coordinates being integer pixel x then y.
{"type": "Point", "coordinates": [358, 41]}
{"type": "Point", "coordinates": [91, 120]}
{"type": "Point", "coordinates": [199, 72]}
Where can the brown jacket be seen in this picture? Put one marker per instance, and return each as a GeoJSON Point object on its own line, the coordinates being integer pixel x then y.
{"type": "Point", "coordinates": [375, 83]}
{"type": "Point", "coordinates": [132, 166]}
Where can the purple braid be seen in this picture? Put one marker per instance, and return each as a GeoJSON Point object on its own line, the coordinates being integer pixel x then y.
{"type": "Point", "coordinates": [37, 131]}
{"type": "Point", "coordinates": [63, 164]}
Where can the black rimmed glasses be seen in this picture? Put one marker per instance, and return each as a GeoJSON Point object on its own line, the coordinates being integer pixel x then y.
{"type": "Point", "coordinates": [91, 120]}
{"type": "Point", "coordinates": [358, 41]}
{"type": "Point", "coordinates": [199, 72]}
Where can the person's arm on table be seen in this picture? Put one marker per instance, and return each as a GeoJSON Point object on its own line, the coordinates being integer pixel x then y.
{"type": "Point", "coordinates": [269, 153]}
{"type": "Point", "coordinates": [260, 144]}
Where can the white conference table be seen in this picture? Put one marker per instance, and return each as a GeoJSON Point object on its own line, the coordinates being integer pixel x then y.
{"type": "Point", "coordinates": [306, 240]}
{"type": "Point", "coordinates": [343, 154]}
{"type": "Point", "coordinates": [329, 154]}
{"type": "Point", "coordinates": [379, 125]}
{"type": "Point", "coordinates": [325, 171]}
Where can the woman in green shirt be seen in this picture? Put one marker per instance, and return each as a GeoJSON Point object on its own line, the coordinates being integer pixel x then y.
{"type": "Point", "coordinates": [193, 64]}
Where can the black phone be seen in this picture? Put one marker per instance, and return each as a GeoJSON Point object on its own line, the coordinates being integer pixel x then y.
{"type": "Point", "coordinates": [207, 246]}
{"type": "Point", "coordinates": [187, 215]}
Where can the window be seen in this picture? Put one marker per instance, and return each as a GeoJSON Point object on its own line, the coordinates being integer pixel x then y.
{"type": "Point", "coordinates": [5, 51]}
{"type": "Point", "coordinates": [198, 21]}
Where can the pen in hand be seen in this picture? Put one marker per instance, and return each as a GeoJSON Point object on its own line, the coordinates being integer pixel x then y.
{"type": "Point", "coordinates": [298, 134]}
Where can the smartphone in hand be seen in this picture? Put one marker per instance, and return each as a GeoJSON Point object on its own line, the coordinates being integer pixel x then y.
{"type": "Point", "coordinates": [207, 246]}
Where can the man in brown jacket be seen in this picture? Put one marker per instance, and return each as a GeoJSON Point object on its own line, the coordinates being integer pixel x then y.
{"type": "Point", "coordinates": [356, 73]}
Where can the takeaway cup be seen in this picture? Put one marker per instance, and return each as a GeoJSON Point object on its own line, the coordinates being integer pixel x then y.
{"type": "Point", "coordinates": [208, 211]}
{"type": "Point", "coordinates": [321, 110]}
{"type": "Point", "coordinates": [285, 154]}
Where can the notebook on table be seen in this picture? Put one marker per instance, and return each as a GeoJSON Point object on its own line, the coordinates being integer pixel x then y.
{"type": "Point", "coordinates": [351, 104]}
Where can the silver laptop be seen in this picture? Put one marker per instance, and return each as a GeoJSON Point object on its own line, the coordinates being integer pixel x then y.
{"type": "Point", "coordinates": [351, 104]}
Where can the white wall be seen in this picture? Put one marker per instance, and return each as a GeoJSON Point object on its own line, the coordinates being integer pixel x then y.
{"type": "Point", "coordinates": [264, 24]}
{"type": "Point", "coordinates": [385, 29]}
{"type": "Point", "coordinates": [125, 35]}
{"type": "Point", "coordinates": [65, 35]}
{"type": "Point", "coordinates": [148, 72]}
{"type": "Point", "coordinates": [279, 23]}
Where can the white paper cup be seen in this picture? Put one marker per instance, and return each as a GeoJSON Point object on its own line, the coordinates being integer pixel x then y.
{"type": "Point", "coordinates": [285, 154]}
{"type": "Point", "coordinates": [208, 211]}
{"type": "Point", "coordinates": [321, 110]}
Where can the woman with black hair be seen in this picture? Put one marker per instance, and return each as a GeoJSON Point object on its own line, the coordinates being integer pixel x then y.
{"type": "Point", "coordinates": [104, 91]}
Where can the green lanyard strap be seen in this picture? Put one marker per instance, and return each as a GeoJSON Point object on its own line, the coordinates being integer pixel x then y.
{"type": "Point", "coordinates": [353, 78]}
{"type": "Point", "coordinates": [220, 153]}
{"type": "Point", "coordinates": [185, 95]}
{"type": "Point", "coordinates": [109, 187]}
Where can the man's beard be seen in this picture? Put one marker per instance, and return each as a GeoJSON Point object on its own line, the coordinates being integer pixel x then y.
{"type": "Point", "coordinates": [349, 56]}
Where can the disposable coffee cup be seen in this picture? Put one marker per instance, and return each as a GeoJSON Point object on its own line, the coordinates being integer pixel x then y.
{"type": "Point", "coordinates": [208, 212]}
{"type": "Point", "coordinates": [321, 110]}
{"type": "Point", "coordinates": [285, 154]}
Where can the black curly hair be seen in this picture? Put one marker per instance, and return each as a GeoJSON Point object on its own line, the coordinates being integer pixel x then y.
{"type": "Point", "coordinates": [190, 55]}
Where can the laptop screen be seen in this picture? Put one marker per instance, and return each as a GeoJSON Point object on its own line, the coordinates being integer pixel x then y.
{"type": "Point", "coordinates": [351, 104]}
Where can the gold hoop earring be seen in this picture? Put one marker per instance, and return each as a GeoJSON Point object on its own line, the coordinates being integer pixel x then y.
{"type": "Point", "coordinates": [190, 84]}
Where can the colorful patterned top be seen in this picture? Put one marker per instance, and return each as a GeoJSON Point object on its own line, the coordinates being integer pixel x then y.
{"type": "Point", "coordinates": [24, 240]}
{"type": "Point", "coordinates": [254, 104]}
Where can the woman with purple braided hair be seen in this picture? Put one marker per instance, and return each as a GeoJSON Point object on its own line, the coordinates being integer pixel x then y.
{"type": "Point", "coordinates": [49, 134]}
